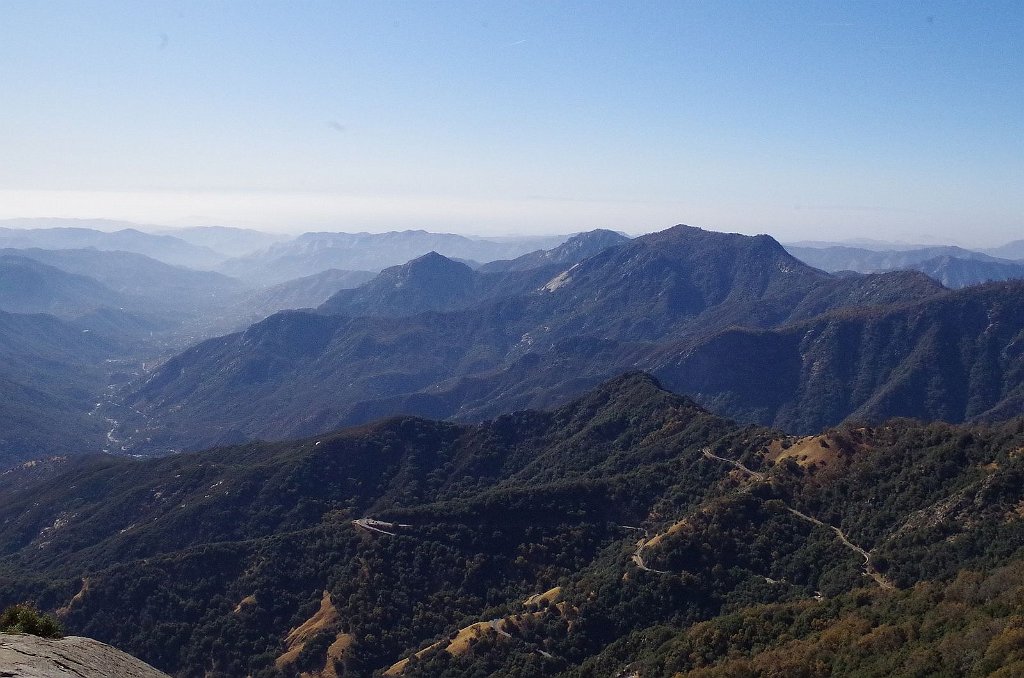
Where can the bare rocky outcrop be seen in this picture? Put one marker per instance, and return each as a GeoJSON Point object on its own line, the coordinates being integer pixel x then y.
{"type": "Point", "coordinates": [27, 656]}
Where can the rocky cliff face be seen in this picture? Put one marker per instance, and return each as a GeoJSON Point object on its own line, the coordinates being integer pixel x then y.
{"type": "Point", "coordinates": [25, 656]}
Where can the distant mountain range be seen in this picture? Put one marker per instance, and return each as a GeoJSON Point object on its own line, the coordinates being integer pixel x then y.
{"type": "Point", "coordinates": [141, 310]}
{"type": "Point", "coordinates": [165, 248]}
{"type": "Point", "coordinates": [437, 337]}
{"type": "Point", "coordinates": [575, 249]}
{"type": "Point", "coordinates": [147, 306]}
{"type": "Point", "coordinates": [958, 272]}
{"type": "Point", "coordinates": [436, 283]}
{"type": "Point", "coordinates": [540, 343]}
{"type": "Point", "coordinates": [28, 286]}
{"type": "Point", "coordinates": [137, 275]}
{"type": "Point", "coordinates": [307, 292]}
{"type": "Point", "coordinates": [228, 241]}
{"type": "Point", "coordinates": [264, 259]}
{"type": "Point", "coordinates": [314, 252]}
{"type": "Point", "coordinates": [1011, 250]}
{"type": "Point", "coordinates": [841, 258]}
{"type": "Point", "coordinates": [173, 301]}
{"type": "Point", "coordinates": [491, 469]}
{"type": "Point", "coordinates": [952, 266]}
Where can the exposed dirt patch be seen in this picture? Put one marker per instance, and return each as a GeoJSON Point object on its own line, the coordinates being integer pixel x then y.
{"type": "Point", "coordinates": [77, 598]}
{"type": "Point", "coordinates": [297, 638]}
{"type": "Point", "coordinates": [398, 667]}
{"type": "Point", "coordinates": [559, 280]}
{"type": "Point", "coordinates": [551, 596]}
{"type": "Point", "coordinates": [673, 529]}
{"type": "Point", "coordinates": [537, 605]}
{"type": "Point", "coordinates": [244, 603]}
{"type": "Point", "coordinates": [335, 653]}
{"type": "Point", "coordinates": [820, 450]}
{"type": "Point", "coordinates": [461, 643]}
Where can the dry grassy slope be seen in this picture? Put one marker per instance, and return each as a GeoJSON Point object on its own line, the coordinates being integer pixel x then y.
{"type": "Point", "coordinates": [463, 640]}
{"type": "Point", "coordinates": [326, 618]}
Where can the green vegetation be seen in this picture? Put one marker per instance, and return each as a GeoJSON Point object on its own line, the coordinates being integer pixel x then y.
{"type": "Point", "coordinates": [25, 618]}
{"type": "Point", "coordinates": [970, 626]}
{"type": "Point", "coordinates": [202, 564]}
{"type": "Point", "coordinates": [49, 379]}
{"type": "Point", "coordinates": [950, 357]}
{"type": "Point", "coordinates": [456, 343]}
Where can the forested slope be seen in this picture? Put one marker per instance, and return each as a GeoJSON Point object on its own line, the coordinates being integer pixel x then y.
{"type": "Point", "coordinates": [635, 511]}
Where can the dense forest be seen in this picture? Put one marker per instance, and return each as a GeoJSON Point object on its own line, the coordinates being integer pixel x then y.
{"type": "Point", "coordinates": [630, 531]}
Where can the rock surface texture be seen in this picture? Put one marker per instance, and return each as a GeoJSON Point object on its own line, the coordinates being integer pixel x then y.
{"type": "Point", "coordinates": [25, 656]}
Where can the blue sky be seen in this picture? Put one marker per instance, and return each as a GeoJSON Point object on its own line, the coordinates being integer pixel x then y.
{"type": "Point", "coordinates": [801, 119]}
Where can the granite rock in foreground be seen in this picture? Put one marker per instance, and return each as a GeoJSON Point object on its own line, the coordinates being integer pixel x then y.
{"type": "Point", "coordinates": [26, 656]}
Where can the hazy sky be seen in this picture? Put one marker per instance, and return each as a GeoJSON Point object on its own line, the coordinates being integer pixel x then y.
{"type": "Point", "coordinates": [899, 120]}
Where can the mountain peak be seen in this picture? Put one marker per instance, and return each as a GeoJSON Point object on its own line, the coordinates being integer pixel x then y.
{"type": "Point", "coordinates": [633, 390]}
{"type": "Point", "coordinates": [430, 281]}
{"type": "Point", "coordinates": [683, 233]}
{"type": "Point", "coordinates": [433, 261]}
{"type": "Point", "coordinates": [586, 244]}
{"type": "Point", "coordinates": [630, 380]}
{"type": "Point", "coordinates": [574, 250]}
{"type": "Point", "coordinates": [429, 269]}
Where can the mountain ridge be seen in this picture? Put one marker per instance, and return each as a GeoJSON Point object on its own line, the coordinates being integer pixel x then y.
{"type": "Point", "coordinates": [166, 248]}
{"type": "Point", "coordinates": [663, 287]}
{"type": "Point", "coordinates": [313, 252]}
{"type": "Point", "coordinates": [28, 286]}
{"type": "Point", "coordinates": [432, 282]}
{"type": "Point", "coordinates": [577, 248]}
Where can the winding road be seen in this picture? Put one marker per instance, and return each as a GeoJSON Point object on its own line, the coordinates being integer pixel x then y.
{"type": "Point", "coordinates": [869, 569]}
{"type": "Point", "coordinates": [378, 526]}
{"type": "Point", "coordinates": [753, 474]}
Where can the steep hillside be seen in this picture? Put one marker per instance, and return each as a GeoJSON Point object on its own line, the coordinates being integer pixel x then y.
{"type": "Point", "coordinates": [27, 286]}
{"type": "Point", "coordinates": [686, 280]}
{"type": "Point", "coordinates": [150, 307]}
{"type": "Point", "coordinates": [574, 250]}
{"type": "Point", "coordinates": [306, 292]}
{"type": "Point", "coordinates": [50, 375]}
{"type": "Point", "coordinates": [540, 543]}
{"type": "Point", "coordinates": [966, 626]}
{"type": "Point", "coordinates": [137, 275]}
{"type": "Point", "coordinates": [955, 357]}
{"type": "Point", "coordinates": [595, 319]}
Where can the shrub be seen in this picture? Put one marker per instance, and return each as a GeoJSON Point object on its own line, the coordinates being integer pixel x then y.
{"type": "Point", "coordinates": [25, 618]}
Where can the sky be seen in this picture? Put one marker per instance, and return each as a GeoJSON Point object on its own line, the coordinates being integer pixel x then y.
{"type": "Point", "coordinates": [807, 120]}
